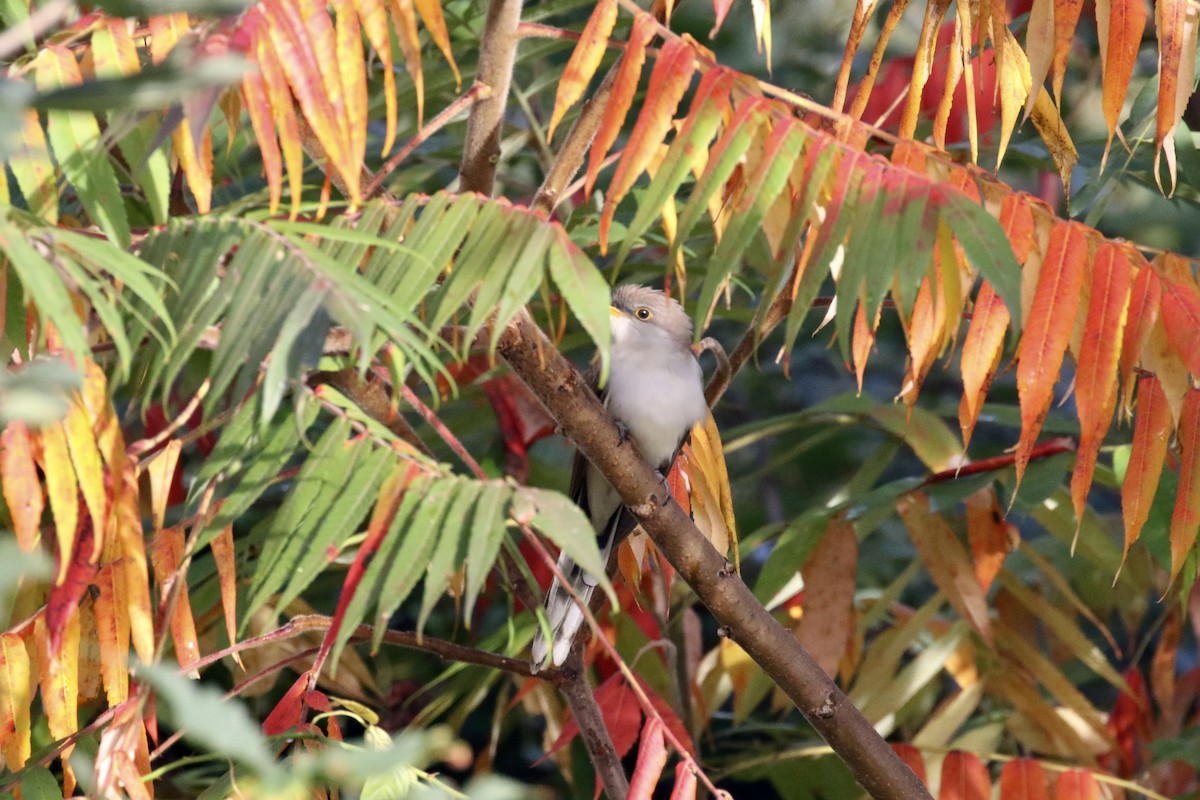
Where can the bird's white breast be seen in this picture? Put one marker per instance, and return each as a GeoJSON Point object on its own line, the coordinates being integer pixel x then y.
{"type": "Point", "coordinates": [658, 393]}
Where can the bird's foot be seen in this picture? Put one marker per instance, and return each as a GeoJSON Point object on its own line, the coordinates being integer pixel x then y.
{"type": "Point", "coordinates": [622, 432]}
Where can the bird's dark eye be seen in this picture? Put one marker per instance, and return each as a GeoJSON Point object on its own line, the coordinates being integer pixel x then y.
{"type": "Point", "coordinates": [643, 313]}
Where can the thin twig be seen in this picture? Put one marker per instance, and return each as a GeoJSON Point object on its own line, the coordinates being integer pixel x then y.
{"type": "Point", "coordinates": [477, 92]}
{"type": "Point", "coordinates": [575, 147]}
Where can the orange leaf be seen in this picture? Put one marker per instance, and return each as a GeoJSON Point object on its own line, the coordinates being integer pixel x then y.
{"type": "Point", "coordinates": [1066, 18]}
{"type": "Point", "coordinates": [1166, 653]}
{"type": "Point", "coordinates": [289, 711]}
{"type": "Point", "coordinates": [1048, 329]}
{"type": "Point", "coordinates": [226, 561]}
{"type": "Point", "coordinates": [161, 472]}
{"type": "Point", "coordinates": [1144, 301]}
{"type": "Point", "coordinates": [277, 94]}
{"type": "Point", "coordinates": [981, 356]}
{"type": "Point", "coordinates": [1181, 316]}
{"type": "Point", "coordinates": [829, 573]}
{"type": "Point", "coordinates": [167, 556]}
{"type": "Point", "coordinates": [964, 777]}
{"type": "Point", "coordinates": [685, 782]}
{"type": "Point", "coordinates": [585, 58]}
{"type": "Point", "coordinates": [431, 15]}
{"type": "Point", "coordinates": [1023, 779]}
{"type": "Point", "coordinates": [254, 98]}
{"type": "Point", "coordinates": [14, 701]}
{"type": "Point", "coordinates": [405, 20]}
{"type": "Point", "coordinates": [912, 758]}
{"type": "Point", "coordinates": [652, 757]}
{"type": "Point", "coordinates": [947, 562]}
{"type": "Point", "coordinates": [625, 84]}
{"type": "Point", "coordinates": [863, 337]}
{"type": "Point", "coordinates": [126, 533]}
{"type": "Point", "coordinates": [1175, 24]}
{"type": "Point", "coordinates": [20, 485]}
{"type": "Point", "coordinates": [1096, 375]}
{"type": "Point", "coordinates": [1151, 431]}
{"type": "Point", "coordinates": [375, 25]}
{"type": "Point", "coordinates": [1076, 784]}
{"type": "Point", "coordinates": [669, 80]}
{"type": "Point", "coordinates": [62, 491]}
{"type": "Point", "coordinates": [1120, 24]}
{"type": "Point", "coordinates": [1185, 518]}
{"type": "Point", "coordinates": [990, 536]}
{"type": "Point", "coordinates": [299, 42]}
{"type": "Point", "coordinates": [112, 631]}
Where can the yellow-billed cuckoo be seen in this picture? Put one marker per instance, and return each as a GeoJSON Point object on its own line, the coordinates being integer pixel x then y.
{"type": "Point", "coordinates": [655, 391]}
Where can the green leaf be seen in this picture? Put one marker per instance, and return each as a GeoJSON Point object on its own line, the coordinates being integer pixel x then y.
{"type": "Point", "coordinates": [217, 725]}
{"type": "Point", "coordinates": [562, 522]}
{"type": "Point", "coordinates": [325, 506]}
{"type": "Point", "coordinates": [43, 286]}
{"type": "Point", "coordinates": [790, 552]}
{"type": "Point", "coordinates": [487, 534]}
{"type": "Point", "coordinates": [450, 551]}
{"type": "Point", "coordinates": [75, 140]}
{"type": "Point", "coordinates": [763, 187]}
{"type": "Point", "coordinates": [986, 246]}
{"type": "Point", "coordinates": [586, 293]}
{"type": "Point", "coordinates": [38, 783]}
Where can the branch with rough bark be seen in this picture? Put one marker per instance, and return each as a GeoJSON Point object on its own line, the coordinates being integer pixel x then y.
{"type": "Point", "coordinates": [741, 616]}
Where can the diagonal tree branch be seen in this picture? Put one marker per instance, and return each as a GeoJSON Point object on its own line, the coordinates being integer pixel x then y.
{"type": "Point", "coordinates": [741, 616]}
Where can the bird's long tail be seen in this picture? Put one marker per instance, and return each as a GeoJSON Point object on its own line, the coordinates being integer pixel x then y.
{"type": "Point", "coordinates": [564, 614]}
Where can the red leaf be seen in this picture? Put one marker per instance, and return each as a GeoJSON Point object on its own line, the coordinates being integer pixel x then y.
{"type": "Point", "coordinates": [1048, 329]}
{"type": "Point", "coordinates": [1131, 725]}
{"type": "Point", "coordinates": [67, 592]}
{"type": "Point", "coordinates": [685, 782]}
{"type": "Point", "coordinates": [912, 759]}
{"type": "Point", "coordinates": [964, 777]}
{"type": "Point", "coordinates": [1023, 779]}
{"type": "Point", "coordinates": [289, 711]}
{"type": "Point", "coordinates": [522, 419]}
{"type": "Point", "coordinates": [1181, 316]}
{"type": "Point", "coordinates": [621, 714]}
{"type": "Point", "coordinates": [672, 74]}
{"type": "Point", "coordinates": [1151, 432]}
{"type": "Point", "coordinates": [1185, 518]}
{"type": "Point", "coordinates": [652, 757]}
{"type": "Point", "coordinates": [1096, 375]}
{"type": "Point", "coordinates": [1076, 784]}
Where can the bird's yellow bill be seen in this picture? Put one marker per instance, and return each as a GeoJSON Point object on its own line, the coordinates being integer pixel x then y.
{"type": "Point", "coordinates": [613, 311]}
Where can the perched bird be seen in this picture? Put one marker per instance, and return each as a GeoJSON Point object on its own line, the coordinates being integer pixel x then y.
{"type": "Point", "coordinates": [655, 392]}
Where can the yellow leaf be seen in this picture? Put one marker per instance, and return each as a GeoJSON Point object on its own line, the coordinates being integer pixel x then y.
{"type": "Point", "coordinates": [63, 492]}
{"type": "Point", "coordinates": [58, 675]}
{"type": "Point", "coordinates": [89, 472]}
{"type": "Point", "coordinates": [14, 701]}
{"type": "Point", "coordinates": [112, 632]}
{"type": "Point", "coordinates": [20, 485]}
